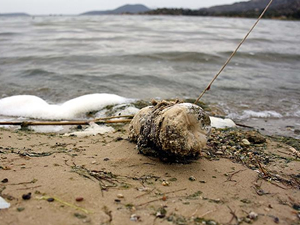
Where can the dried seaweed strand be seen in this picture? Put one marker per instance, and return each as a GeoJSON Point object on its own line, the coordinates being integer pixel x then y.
{"type": "Point", "coordinates": [65, 203]}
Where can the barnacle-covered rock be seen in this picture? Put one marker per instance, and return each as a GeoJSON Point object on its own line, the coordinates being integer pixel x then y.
{"type": "Point", "coordinates": [172, 130]}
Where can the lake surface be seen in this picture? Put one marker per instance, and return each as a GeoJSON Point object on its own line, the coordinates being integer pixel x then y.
{"type": "Point", "coordinates": [145, 57]}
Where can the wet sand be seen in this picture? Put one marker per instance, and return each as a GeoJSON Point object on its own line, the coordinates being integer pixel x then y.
{"type": "Point", "coordinates": [103, 180]}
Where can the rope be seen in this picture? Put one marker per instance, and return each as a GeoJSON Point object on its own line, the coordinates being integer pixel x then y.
{"type": "Point", "coordinates": [233, 53]}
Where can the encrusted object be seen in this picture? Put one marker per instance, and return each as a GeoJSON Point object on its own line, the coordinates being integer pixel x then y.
{"type": "Point", "coordinates": [171, 130]}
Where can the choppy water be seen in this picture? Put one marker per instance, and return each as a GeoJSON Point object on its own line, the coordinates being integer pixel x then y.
{"type": "Point", "coordinates": [144, 57]}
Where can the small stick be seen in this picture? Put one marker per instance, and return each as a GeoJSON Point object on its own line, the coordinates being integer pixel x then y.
{"type": "Point", "coordinates": [53, 123]}
{"type": "Point", "coordinates": [29, 187]}
{"type": "Point", "coordinates": [231, 175]}
{"type": "Point", "coordinates": [171, 192]}
{"type": "Point", "coordinates": [234, 216]}
{"type": "Point", "coordinates": [162, 198]}
{"type": "Point", "coordinates": [145, 193]}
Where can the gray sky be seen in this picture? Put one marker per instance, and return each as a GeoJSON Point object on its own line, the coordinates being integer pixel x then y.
{"type": "Point", "coordinates": [79, 6]}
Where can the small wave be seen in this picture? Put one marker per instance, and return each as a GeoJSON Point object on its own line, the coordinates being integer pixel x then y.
{"type": "Point", "coordinates": [36, 72]}
{"type": "Point", "coordinates": [8, 33]}
{"type": "Point", "coordinates": [265, 56]}
{"type": "Point", "coordinates": [260, 114]}
{"type": "Point", "coordinates": [178, 56]}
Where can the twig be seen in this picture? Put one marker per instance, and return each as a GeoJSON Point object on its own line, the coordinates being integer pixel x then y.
{"type": "Point", "coordinates": [171, 192]}
{"type": "Point", "coordinates": [62, 123]}
{"type": "Point", "coordinates": [145, 193]}
{"type": "Point", "coordinates": [162, 198]}
{"type": "Point", "coordinates": [261, 168]}
{"type": "Point", "coordinates": [145, 203]}
{"type": "Point", "coordinates": [233, 53]}
{"type": "Point", "coordinates": [243, 125]}
{"type": "Point", "coordinates": [234, 216]}
{"type": "Point", "coordinates": [231, 175]}
{"type": "Point", "coordinates": [29, 187]}
{"type": "Point", "coordinates": [204, 214]}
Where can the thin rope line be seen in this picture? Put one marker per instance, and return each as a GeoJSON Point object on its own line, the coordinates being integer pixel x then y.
{"type": "Point", "coordinates": [233, 53]}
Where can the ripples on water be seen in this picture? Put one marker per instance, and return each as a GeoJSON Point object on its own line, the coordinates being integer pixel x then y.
{"type": "Point", "coordinates": [59, 58]}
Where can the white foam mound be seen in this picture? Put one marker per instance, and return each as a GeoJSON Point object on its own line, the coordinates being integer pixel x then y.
{"type": "Point", "coordinates": [30, 106]}
{"type": "Point", "coordinates": [221, 123]}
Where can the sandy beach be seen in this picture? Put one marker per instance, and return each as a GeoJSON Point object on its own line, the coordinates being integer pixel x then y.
{"type": "Point", "coordinates": [103, 180]}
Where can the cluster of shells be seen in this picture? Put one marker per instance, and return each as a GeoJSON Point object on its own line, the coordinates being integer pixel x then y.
{"type": "Point", "coordinates": [171, 129]}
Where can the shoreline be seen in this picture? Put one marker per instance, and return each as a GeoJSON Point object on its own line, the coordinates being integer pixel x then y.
{"type": "Point", "coordinates": [232, 179]}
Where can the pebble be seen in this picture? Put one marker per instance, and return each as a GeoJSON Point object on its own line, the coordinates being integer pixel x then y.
{"type": "Point", "coordinates": [50, 199]}
{"type": "Point", "coordinates": [26, 196]}
{"type": "Point", "coordinates": [134, 217]}
{"type": "Point", "coordinates": [252, 215]}
{"type": "Point", "coordinates": [5, 180]}
{"type": "Point", "coordinates": [120, 196]}
{"type": "Point", "coordinates": [165, 183]}
{"type": "Point", "coordinates": [79, 199]}
{"type": "Point", "coordinates": [245, 142]}
{"type": "Point", "coordinates": [219, 153]}
{"type": "Point", "coordinates": [192, 178]}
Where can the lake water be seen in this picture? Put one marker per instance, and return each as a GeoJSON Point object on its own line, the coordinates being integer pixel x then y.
{"type": "Point", "coordinates": [145, 57]}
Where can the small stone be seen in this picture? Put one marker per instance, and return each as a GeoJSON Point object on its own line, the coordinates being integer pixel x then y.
{"type": "Point", "coordinates": [105, 159]}
{"type": "Point", "coordinates": [219, 153]}
{"type": "Point", "coordinates": [119, 139]}
{"type": "Point", "coordinates": [5, 180]}
{"type": "Point", "coordinates": [26, 196]}
{"type": "Point", "coordinates": [252, 215]}
{"type": "Point", "coordinates": [165, 183]}
{"type": "Point", "coordinates": [202, 181]}
{"type": "Point", "coordinates": [117, 200]}
{"type": "Point", "coordinates": [246, 142]}
{"type": "Point", "coordinates": [192, 178]}
{"type": "Point", "coordinates": [297, 131]}
{"type": "Point", "coordinates": [50, 199]}
{"type": "Point", "coordinates": [20, 209]}
{"type": "Point", "coordinates": [94, 162]}
{"type": "Point", "coordinates": [134, 217]}
{"type": "Point", "coordinates": [79, 199]}
{"type": "Point", "coordinates": [224, 147]}
{"type": "Point", "coordinates": [120, 196]}
{"type": "Point", "coordinates": [276, 220]}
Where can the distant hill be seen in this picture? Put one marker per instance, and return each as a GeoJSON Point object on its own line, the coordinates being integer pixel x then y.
{"type": "Point", "coordinates": [286, 9]}
{"type": "Point", "coordinates": [253, 8]}
{"type": "Point", "coordinates": [125, 9]}
{"type": "Point", "coordinates": [14, 14]}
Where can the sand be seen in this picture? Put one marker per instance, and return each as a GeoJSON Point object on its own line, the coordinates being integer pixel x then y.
{"type": "Point", "coordinates": [142, 189]}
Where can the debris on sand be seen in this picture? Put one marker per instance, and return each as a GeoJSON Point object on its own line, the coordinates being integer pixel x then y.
{"type": "Point", "coordinates": [172, 130]}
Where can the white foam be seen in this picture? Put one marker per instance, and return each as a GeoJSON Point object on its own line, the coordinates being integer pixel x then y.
{"type": "Point", "coordinates": [93, 129]}
{"type": "Point", "coordinates": [30, 106]}
{"type": "Point", "coordinates": [47, 129]}
{"type": "Point", "coordinates": [221, 123]}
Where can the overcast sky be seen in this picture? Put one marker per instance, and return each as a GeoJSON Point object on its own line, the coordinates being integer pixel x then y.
{"type": "Point", "coordinates": [79, 6]}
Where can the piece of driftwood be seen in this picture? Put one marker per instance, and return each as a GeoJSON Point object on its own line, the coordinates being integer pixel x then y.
{"type": "Point", "coordinates": [54, 123]}
{"type": "Point", "coordinates": [170, 130]}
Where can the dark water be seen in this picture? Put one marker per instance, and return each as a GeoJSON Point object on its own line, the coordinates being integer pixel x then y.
{"type": "Point", "coordinates": [144, 57]}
